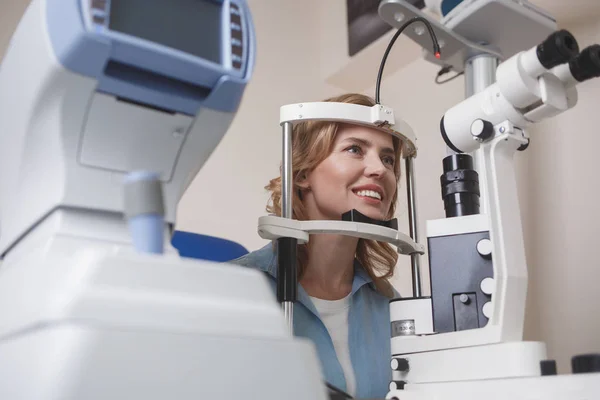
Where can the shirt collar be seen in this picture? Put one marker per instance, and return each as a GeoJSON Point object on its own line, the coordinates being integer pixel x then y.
{"type": "Point", "coordinates": [361, 278]}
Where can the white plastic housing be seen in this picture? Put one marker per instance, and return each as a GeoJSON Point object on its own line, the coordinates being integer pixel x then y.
{"type": "Point", "coordinates": [504, 360]}
{"type": "Point", "coordinates": [377, 117]}
{"type": "Point", "coordinates": [555, 387]}
{"type": "Point", "coordinates": [489, 105]}
{"type": "Point", "coordinates": [417, 309]}
{"type": "Point", "coordinates": [470, 23]}
{"type": "Point", "coordinates": [485, 20]}
{"type": "Point", "coordinates": [508, 255]}
{"type": "Point", "coordinates": [60, 145]}
{"type": "Point", "coordinates": [457, 225]}
{"type": "Point", "coordinates": [517, 78]}
{"type": "Point", "coordinates": [563, 72]}
{"type": "Point", "coordinates": [88, 319]}
{"type": "Point", "coordinates": [549, 97]}
{"type": "Point", "coordinates": [525, 92]}
{"type": "Point", "coordinates": [272, 227]}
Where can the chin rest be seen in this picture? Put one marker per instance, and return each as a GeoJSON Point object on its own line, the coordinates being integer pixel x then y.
{"type": "Point", "coordinates": [356, 216]}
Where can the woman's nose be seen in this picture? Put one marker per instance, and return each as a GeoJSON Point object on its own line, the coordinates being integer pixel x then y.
{"type": "Point", "coordinates": [374, 166]}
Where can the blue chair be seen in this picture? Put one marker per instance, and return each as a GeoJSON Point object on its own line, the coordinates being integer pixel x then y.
{"type": "Point", "coordinates": [203, 247]}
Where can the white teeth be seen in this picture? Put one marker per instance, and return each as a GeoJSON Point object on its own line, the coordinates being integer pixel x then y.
{"type": "Point", "coordinates": [369, 193]}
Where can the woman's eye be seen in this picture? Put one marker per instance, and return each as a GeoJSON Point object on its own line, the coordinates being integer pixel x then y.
{"type": "Point", "coordinates": [389, 161]}
{"type": "Point", "coordinates": [354, 149]}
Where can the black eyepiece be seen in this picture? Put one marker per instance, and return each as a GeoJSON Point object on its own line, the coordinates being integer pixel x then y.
{"type": "Point", "coordinates": [558, 48]}
{"type": "Point", "coordinates": [460, 186]}
{"type": "Point", "coordinates": [587, 64]}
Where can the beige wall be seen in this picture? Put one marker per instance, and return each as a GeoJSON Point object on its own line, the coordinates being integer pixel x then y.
{"type": "Point", "coordinates": [421, 102]}
{"type": "Point", "coordinates": [226, 198]}
{"type": "Point", "coordinates": [562, 222]}
{"type": "Point", "coordinates": [10, 13]}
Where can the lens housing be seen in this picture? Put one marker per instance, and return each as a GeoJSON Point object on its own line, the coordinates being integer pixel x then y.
{"type": "Point", "coordinates": [586, 65]}
{"type": "Point", "coordinates": [558, 48]}
{"type": "Point", "coordinates": [460, 186]}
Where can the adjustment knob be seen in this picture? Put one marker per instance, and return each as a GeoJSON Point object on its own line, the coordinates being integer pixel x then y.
{"type": "Point", "coordinates": [487, 286]}
{"type": "Point", "coordinates": [482, 130]}
{"type": "Point", "coordinates": [400, 364]}
{"type": "Point", "coordinates": [397, 385]}
{"type": "Point", "coordinates": [548, 367]}
{"type": "Point", "coordinates": [585, 363]}
{"type": "Point", "coordinates": [487, 310]}
{"type": "Point", "coordinates": [484, 248]}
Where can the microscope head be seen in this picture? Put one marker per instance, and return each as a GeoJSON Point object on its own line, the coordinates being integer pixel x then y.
{"type": "Point", "coordinates": [92, 90]}
{"type": "Point", "coordinates": [530, 86]}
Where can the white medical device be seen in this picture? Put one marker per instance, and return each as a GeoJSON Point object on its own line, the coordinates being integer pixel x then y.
{"type": "Point", "coordinates": [465, 340]}
{"type": "Point", "coordinates": [102, 103]}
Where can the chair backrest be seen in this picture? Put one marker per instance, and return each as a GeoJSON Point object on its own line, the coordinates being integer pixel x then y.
{"type": "Point", "coordinates": [203, 247]}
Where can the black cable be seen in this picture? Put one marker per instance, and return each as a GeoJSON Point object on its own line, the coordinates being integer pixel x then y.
{"type": "Point", "coordinates": [436, 49]}
{"type": "Point", "coordinates": [444, 71]}
{"type": "Point", "coordinates": [447, 80]}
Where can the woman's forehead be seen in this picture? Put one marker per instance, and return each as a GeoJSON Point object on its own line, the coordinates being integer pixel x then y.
{"type": "Point", "coordinates": [375, 136]}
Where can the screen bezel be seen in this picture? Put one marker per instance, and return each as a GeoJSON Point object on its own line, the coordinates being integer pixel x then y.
{"type": "Point", "coordinates": [134, 43]}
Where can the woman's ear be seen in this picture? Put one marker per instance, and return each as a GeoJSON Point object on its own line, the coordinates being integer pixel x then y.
{"type": "Point", "coordinates": [302, 181]}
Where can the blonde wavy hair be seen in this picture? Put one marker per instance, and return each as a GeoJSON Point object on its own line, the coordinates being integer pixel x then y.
{"type": "Point", "coordinates": [312, 142]}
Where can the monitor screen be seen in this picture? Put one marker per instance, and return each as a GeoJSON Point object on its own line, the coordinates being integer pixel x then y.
{"type": "Point", "coordinates": [192, 26]}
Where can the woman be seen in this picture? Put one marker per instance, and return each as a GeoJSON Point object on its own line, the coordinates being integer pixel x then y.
{"type": "Point", "coordinates": [343, 293]}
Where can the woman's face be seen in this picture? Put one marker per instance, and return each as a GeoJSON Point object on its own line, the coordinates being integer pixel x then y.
{"type": "Point", "coordinates": [358, 174]}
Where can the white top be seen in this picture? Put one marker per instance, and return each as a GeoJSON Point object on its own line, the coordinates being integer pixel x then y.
{"type": "Point", "coordinates": [334, 314]}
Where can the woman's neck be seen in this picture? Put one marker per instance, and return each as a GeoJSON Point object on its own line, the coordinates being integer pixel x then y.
{"type": "Point", "coordinates": [330, 269]}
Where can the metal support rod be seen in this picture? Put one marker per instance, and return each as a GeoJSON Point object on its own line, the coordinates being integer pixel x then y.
{"type": "Point", "coordinates": [288, 279]}
{"type": "Point", "coordinates": [286, 173]}
{"type": "Point", "coordinates": [288, 312]}
{"type": "Point", "coordinates": [415, 259]}
{"type": "Point", "coordinates": [480, 72]}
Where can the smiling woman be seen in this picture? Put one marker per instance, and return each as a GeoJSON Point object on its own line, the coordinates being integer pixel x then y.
{"type": "Point", "coordinates": [343, 293]}
{"type": "Point", "coordinates": [357, 174]}
{"type": "Point", "coordinates": [331, 163]}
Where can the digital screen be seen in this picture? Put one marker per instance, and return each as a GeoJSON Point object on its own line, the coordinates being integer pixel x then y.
{"type": "Point", "coordinates": [192, 26]}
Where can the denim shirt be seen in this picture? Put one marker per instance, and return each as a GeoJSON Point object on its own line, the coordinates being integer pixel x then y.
{"type": "Point", "coordinates": [368, 330]}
